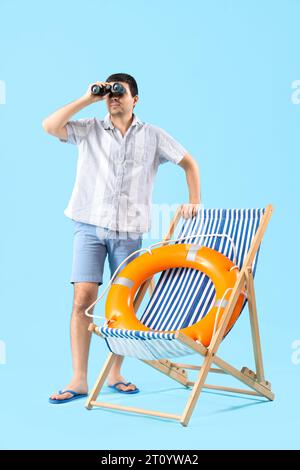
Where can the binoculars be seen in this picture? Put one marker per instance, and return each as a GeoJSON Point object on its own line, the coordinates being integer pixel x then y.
{"type": "Point", "coordinates": [116, 89]}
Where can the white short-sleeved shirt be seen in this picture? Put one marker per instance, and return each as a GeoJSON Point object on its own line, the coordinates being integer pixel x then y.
{"type": "Point", "coordinates": [115, 174]}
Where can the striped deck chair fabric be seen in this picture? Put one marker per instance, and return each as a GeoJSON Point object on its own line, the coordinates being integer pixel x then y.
{"type": "Point", "coordinates": [182, 296]}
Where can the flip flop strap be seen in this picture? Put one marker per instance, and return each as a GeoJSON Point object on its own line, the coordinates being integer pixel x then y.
{"type": "Point", "coordinates": [121, 383]}
{"type": "Point", "coordinates": [61, 392]}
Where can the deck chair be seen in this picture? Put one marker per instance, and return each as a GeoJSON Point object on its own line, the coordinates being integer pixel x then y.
{"type": "Point", "coordinates": [180, 298]}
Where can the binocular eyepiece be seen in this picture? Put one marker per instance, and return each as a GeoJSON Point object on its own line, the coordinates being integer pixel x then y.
{"type": "Point", "coordinates": [116, 89]}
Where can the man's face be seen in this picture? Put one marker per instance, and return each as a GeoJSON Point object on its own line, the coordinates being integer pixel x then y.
{"type": "Point", "coordinates": [118, 105]}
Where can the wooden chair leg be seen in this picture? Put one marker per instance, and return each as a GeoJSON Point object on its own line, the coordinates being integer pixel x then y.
{"type": "Point", "coordinates": [254, 326]}
{"type": "Point", "coordinates": [196, 390]}
{"type": "Point", "coordinates": [100, 381]}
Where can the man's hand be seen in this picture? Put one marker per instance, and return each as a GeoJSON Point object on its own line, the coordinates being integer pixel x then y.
{"type": "Point", "coordinates": [93, 98]}
{"type": "Point", "coordinates": [189, 210]}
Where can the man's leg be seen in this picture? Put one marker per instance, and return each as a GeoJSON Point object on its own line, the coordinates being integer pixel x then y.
{"type": "Point", "coordinates": [121, 245]}
{"type": "Point", "coordinates": [115, 375]}
{"type": "Point", "coordinates": [85, 293]}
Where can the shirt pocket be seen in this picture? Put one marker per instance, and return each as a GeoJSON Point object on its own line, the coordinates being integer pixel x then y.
{"type": "Point", "coordinates": [143, 145]}
{"type": "Point", "coordinates": [145, 152]}
{"type": "Point", "coordinates": [139, 153]}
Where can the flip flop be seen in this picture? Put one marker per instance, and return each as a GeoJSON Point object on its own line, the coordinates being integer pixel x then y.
{"type": "Point", "coordinates": [115, 387]}
{"type": "Point", "coordinates": [66, 400]}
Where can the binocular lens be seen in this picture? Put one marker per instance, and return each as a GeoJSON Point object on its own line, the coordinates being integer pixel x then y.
{"type": "Point", "coordinates": [103, 90]}
{"type": "Point", "coordinates": [118, 88]}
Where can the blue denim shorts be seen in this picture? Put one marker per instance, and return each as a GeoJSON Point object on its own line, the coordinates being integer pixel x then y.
{"type": "Point", "coordinates": [91, 244]}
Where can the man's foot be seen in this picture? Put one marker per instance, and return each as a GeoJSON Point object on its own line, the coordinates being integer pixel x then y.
{"type": "Point", "coordinates": [123, 387]}
{"type": "Point", "coordinates": [78, 387]}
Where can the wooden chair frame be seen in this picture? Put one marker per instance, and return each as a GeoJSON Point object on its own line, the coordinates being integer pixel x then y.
{"type": "Point", "coordinates": [256, 382]}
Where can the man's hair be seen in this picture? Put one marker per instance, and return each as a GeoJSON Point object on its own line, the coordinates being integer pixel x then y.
{"type": "Point", "coordinates": [124, 77]}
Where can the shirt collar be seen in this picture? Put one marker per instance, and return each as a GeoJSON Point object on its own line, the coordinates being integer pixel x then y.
{"type": "Point", "coordinates": [109, 125]}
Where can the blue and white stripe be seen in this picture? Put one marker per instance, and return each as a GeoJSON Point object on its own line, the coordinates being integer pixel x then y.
{"type": "Point", "coordinates": [147, 345]}
{"type": "Point", "coordinates": [183, 296]}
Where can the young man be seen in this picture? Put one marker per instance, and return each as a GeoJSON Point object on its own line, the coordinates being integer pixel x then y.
{"type": "Point", "coordinates": [110, 203]}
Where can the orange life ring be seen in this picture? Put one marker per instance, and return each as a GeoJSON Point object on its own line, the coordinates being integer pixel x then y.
{"type": "Point", "coordinates": [119, 310]}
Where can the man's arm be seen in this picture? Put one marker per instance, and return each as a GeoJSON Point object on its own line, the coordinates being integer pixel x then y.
{"type": "Point", "coordinates": [55, 124]}
{"type": "Point", "coordinates": [193, 180]}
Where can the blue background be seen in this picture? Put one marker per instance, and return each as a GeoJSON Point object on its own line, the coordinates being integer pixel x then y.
{"type": "Point", "coordinates": [217, 75]}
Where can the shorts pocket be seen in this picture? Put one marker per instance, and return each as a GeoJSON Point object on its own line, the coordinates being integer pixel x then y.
{"type": "Point", "coordinates": [78, 226]}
